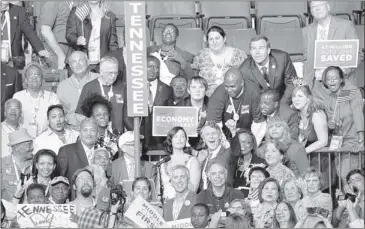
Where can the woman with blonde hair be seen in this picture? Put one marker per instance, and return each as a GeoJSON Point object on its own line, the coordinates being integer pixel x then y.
{"type": "Point", "coordinates": [278, 130]}
{"type": "Point", "coordinates": [91, 28]}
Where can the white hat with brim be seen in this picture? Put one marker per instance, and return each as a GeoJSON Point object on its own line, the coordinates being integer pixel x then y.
{"type": "Point", "coordinates": [19, 136]}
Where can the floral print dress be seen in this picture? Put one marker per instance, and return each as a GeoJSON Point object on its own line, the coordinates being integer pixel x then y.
{"type": "Point", "coordinates": [212, 72]}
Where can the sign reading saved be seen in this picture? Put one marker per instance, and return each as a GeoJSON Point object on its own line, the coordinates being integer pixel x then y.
{"type": "Point", "coordinates": [165, 118]}
{"type": "Point", "coordinates": [342, 53]}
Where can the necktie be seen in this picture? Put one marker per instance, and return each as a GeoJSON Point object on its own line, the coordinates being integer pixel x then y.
{"type": "Point", "coordinates": [150, 97]}
{"type": "Point", "coordinates": [323, 34]}
{"type": "Point", "coordinates": [131, 170]}
{"type": "Point", "coordinates": [264, 74]}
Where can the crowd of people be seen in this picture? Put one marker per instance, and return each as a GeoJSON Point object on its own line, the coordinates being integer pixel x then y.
{"type": "Point", "coordinates": [256, 162]}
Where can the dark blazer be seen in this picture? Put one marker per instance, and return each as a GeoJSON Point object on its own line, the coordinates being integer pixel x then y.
{"type": "Point", "coordinates": [280, 73]}
{"type": "Point", "coordinates": [339, 29]}
{"type": "Point", "coordinates": [119, 170]}
{"type": "Point", "coordinates": [71, 157]}
{"type": "Point", "coordinates": [225, 157]}
{"type": "Point", "coordinates": [19, 25]}
{"type": "Point", "coordinates": [185, 211]}
{"type": "Point", "coordinates": [108, 32]}
{"type": "Point", "coordinates": [11, 82]}
{"type": "Point", "coordinates": [163, 93]}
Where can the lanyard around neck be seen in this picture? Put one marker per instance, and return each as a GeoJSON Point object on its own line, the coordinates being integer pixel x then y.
{"type": "Point", "coordinates": [110, 93]}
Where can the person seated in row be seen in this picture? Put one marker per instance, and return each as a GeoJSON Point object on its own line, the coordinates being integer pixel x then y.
{"type": "Point", "coordinates": [200, 215]}
{"type": "Point", "coordinates": [213, 62]}
{"type": "Point", "coordinates": [69, 90]}
{"type": "Point", "coordinates": [179, 90]}
{"type": "Point", "coordinates": [99, 108]}
{"type": "Point", "coordinates": [57, 134]}
{"type": "Point", "coordinates": [218, 192]}
{"type": "Point", "coordinates": [173, 60]}
{"type": "Point", "coordinates": [175, 146]}
{"type": "Point", "coordinates": [180, 206]}
{"type": "Point", "coordinates": [123, 168]}
{"type": "Point", "coordinates": [59, 190]}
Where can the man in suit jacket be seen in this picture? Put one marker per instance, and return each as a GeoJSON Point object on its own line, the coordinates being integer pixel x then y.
{"type": "Point", "coordinates": [184, 197]}
{"type": "Point", "coordinates": [324, 27]}
{"type": "Point", "coordinates": [11, 82]}
{"type": "Point", "coordinates": [124, 167]}
{"type": "Point", "coordinates": [80, 154]}
{"type": "Point", "coordinates": [16, 23]}
{"type": "Point", "coordinates": [211, 135]}
{"type": "Point", "coordinates": [269, 68]}
{"type": "Point", "coordinates": [158, 96]}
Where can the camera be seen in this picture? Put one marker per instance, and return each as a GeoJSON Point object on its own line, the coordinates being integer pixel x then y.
{"type": "Point", "coordinates": [117, 193]}
{"type": "Point", "coordinates": [349, 196]}
{"type": "Point", "coordinates": [318, 211]}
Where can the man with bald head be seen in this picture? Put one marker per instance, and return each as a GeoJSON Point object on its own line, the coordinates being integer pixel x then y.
{"type": "Point", "coordinates": [69, 90]}
{"type": "Point", "coordinates": [111, 89]}
{"type": "Point", "coordinates": [159, 93]}
{"type": "Point", "coordinates": [35, 101]}
{"type": "Point", "coordinates": [235, 103]}
{"type": "Point", "coordinates": [78, 155]}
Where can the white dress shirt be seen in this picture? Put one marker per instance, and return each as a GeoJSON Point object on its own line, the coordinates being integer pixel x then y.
{"type": "Point", "coordinates": [50, 140]}
{"type": "Point", "coordinates": [129, 163]}
{"type": "Point", "coordinates": [154, 88]}
{"type": "Point", "coordinates": [322, 34]}
{"type": "Point", "coordinates": [89, 153]}
{"type": "Point", "coordinates": [45, 99]}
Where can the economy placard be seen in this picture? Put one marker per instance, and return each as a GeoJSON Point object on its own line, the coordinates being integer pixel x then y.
{"type": "Point", "coordinates": [342, 53]}
{"type": "Point", "coordinates": [145, 215]}
{"type": "Point", "coordinates": [165, 118]}
{"type": "Point", "coordinates": [45, 215]}
{"type": "Point", "coordinates": [181, 223]}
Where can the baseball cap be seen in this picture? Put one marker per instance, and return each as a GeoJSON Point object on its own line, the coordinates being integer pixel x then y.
{"type": "Point", "coordinates": [127, 138]}
{"type": "Point", "coordinates": [59, 179]}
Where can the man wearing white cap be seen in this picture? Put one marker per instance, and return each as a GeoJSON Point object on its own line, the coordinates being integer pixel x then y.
{"type": "Point", "coordinates": [17, 165]}
{"type": "Point", "coordinates": [124, 167]}
{"type": "Point", "coordinates": [59, 190]}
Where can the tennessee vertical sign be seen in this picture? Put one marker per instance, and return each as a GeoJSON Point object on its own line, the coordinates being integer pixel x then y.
{"type": "Point", "coordinates": [135, 38]}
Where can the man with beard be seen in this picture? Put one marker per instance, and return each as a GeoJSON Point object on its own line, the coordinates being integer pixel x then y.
{"type": "Point", "coordinates": [218, 195]}
{"type": "Point", "coordinates": [110, 88]}
{"type": "Point", "coordinates": [18, 165]}
{"type": "Point", "coordinates": [69, 90]}
{"type": "Point", "coordinates": [83, 184]}
{"type": "Point", "coordinates": [180, 206]}
{"type": "Point", "coordinates": [12, 113]}
{"type": "Point", "coordinates": [56, 135]}
{"type": "Point", "coordinates": [59, 190]}
{"type": "Point", "coordinates": [235, 103]}
{"type": "Point", "coordinates": [80, 154]}
{"type": "Point", "coordinates": [173, 60]}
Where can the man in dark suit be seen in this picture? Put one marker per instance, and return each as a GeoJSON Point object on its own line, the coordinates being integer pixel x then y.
{"type": "Point", "coordinates": [269, 68]}
{"type": "Point", "coordinates": [15, 23]}
{"type": "Point", "coordinates": [11, 82]}
{"type": "Point", "coordinates": [324, 27]}
{"type": "Point", "coordinates": [124, 167]}
{"type": "Point", "coordinates": [184, 197]}
{"type": "Point", "coordinates": [159, 93]}
{"type": "Point", "coordinates": [80, 154]}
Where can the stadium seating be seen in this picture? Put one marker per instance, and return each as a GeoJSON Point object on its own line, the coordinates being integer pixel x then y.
{"type": "Point", "coordinates": [240, 38]}
{"type": "Point", "coordinates": [190, 39]}
{"type": "Point", "coordinates": [226, 14]}
{"type": "Point", "coordinates": [279, 15]}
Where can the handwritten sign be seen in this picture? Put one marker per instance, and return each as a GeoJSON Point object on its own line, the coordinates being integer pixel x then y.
{"type": "Point", "coordinates": [165, 118]}
{"type": "Point", "coordinates": [181, 223]}
{"type": "Point", "coordinates": [145, 215]}
{"type": "Point", "coordinates": [342, 53]}
{"type": "Point", "coordinates": [45, 215]}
